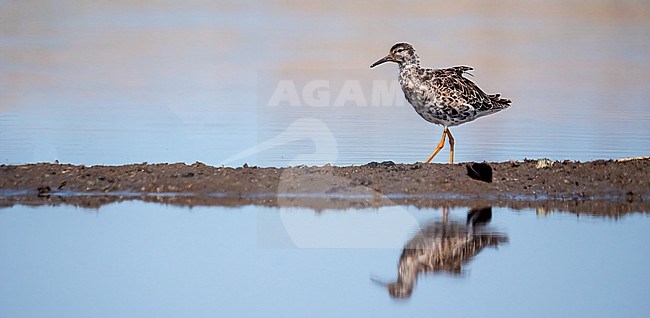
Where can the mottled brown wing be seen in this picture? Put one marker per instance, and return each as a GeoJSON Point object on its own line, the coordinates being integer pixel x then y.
{"type": "Point", "coordinates": [451, 82]}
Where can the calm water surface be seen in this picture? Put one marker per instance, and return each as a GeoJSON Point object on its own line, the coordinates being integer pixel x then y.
{"type": "Point", "coordinates": [119, 82]}
{"type": "Point", "coordinates": [135, 259]}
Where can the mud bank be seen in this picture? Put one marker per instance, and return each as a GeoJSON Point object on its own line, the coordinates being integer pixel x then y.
{"type": "Point", "coordinates": [607, 187]}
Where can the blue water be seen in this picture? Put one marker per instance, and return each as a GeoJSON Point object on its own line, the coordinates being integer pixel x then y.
{"type": "Point", "coordinates": [135, 259]}
{"type": "Point", "coordinates": [107, 83]}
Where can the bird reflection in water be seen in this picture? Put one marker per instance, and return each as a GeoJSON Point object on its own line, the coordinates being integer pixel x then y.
{"type": "Point", "coordinates": [444, 247]}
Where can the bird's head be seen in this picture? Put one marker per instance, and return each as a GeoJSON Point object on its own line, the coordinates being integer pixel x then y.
{"type": "Point", "coordinates": [401, 53]}
{"type": "Point", "coordinates": [400, 290]}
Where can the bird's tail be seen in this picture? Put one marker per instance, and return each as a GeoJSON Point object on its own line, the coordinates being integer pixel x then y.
{"type": "Point", "coordinates": [501, 103]}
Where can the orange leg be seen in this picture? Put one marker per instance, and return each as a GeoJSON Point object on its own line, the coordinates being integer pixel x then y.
{"type": "Point", "coordinates": [451, 144]}
{"type": "Point", "coordinates": [439, 146]}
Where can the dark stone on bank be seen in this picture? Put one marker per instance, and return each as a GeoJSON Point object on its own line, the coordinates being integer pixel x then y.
{"type": "Point", "coordinates": [480, 171]}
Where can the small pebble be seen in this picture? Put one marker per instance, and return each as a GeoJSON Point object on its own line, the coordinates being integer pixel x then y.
{"type": "Point", "coordinates": [544, 163]}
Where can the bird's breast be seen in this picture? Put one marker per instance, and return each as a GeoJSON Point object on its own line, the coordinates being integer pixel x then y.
{"type": "Point", "coordinates": [424, 98]}
{"type": "Point", "coordinates": [420, 96]}
{"type": "Point", "coordinates": [417, 93]}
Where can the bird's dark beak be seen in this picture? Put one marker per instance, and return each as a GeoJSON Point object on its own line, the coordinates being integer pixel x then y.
{"type": "Point", "coordinates": [387, 58]}
{"type": "Point", "coordinates": [378, 281]}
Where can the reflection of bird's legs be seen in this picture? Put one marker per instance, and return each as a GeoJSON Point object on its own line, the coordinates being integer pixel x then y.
{"type": "Point", "coordinates": [445, 213]}
{"type": "Point", "coordinates": [376, 200]}
{"type": "Point", "coordinates": [439, 146]}
{"type": "Point", "coordinates": [470, 227]}
{"type": "Point", "coordinates": [451, 144]}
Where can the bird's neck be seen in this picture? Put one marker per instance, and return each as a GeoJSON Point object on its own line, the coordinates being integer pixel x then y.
{"type": "Point", "coordinates": [413, 61]}
{"type": "Point", "coordinates": [407, 75]}
{"type": "Point", "coordinates": [407, 272]}
{"type": "Point", "coordinates": [408, 67]}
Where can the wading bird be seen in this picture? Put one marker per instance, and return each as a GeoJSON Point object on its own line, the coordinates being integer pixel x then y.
{"type": "Point", "coordinates": [441, 96]}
